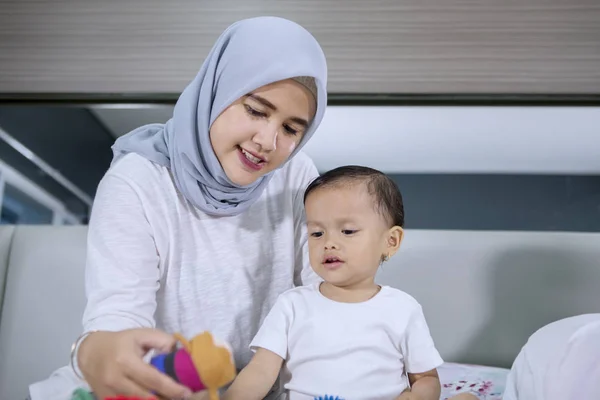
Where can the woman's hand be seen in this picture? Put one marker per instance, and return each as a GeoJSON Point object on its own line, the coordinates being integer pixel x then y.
{"type": "Point", "coordinates": [112, 364]}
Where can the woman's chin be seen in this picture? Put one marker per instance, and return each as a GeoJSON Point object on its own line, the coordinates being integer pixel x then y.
{"type": "Point", "coordinates": [244, 178]}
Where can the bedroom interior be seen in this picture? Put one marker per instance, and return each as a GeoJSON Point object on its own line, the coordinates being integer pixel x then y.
{"type": "Point", "coordinates": [487, 116]}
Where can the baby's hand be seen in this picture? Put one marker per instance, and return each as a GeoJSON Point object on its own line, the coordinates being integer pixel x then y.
{"type": "Point", "coordinates": [408, 396]}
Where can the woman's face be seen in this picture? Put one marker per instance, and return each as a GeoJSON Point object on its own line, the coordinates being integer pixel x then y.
{"type": "Point", "coordinates": [259, 131]}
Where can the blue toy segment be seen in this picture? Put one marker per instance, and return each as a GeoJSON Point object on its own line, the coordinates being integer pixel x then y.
{"type": "Point", "coordinates": [159, 362]}
{"type": "Point", "coordinates": [326, 397]}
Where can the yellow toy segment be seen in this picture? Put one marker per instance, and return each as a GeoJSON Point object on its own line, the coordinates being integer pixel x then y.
{"type": "Point", "coordinates": [214, 363]}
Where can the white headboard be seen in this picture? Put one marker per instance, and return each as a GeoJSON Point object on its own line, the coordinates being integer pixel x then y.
{"type": "Point", "coordinates": [485, 292]}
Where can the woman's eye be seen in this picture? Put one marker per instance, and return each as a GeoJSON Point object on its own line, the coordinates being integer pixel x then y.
{"type": "Point", "coordinates": [253, 112]}
{"type": "Point", "coordinates": [290, 130]}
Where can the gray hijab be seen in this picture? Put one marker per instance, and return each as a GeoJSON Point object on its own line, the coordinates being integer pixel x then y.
{"type": "Point", "coordinates": [248, 55]}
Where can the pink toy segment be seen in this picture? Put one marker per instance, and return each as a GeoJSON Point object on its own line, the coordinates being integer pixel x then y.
{"type": "Point", "coordinates": [186, 371]}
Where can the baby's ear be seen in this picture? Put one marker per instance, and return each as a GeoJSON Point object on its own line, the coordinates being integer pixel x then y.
{"type": "Point", "coordinates": [395, 236]}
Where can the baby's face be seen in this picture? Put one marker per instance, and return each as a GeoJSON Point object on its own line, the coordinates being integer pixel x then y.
{"type": "Point", "coordinates": [346, 236]}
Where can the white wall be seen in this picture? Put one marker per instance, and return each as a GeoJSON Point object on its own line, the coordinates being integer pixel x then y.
{"type": "Point", "coordinates": [460, 139]}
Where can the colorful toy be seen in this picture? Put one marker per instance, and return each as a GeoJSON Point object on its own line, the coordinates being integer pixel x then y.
{"type": "Point", "coordinates": [81, 394]}
{"type": "Point", "coordinates": [128, 398]}
{"type": "Point", "coordinates": [200, 364]}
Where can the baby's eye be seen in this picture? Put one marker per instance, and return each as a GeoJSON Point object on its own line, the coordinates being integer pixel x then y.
{"type": "Point", "coordinates": [316, 234]}
{"type": "Point", "coordinates": [348, 231]}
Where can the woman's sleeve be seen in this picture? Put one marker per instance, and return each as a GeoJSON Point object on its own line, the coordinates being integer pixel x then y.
{"type": "Point", "coordinates": [122, 268]}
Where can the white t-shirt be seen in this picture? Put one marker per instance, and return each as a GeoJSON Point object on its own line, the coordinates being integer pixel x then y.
{"type": "Point", "coordinates": [351, 350]}
{"type": "Point", "coordinates": [155, 260]}
{"type": "Point", "coordinates": [554, 362]}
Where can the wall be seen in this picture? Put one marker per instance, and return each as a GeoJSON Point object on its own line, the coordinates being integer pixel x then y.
{"type": "Point", "coordinates": [379, 46]}
{"type": "Point", "coordinates": [462, 140]}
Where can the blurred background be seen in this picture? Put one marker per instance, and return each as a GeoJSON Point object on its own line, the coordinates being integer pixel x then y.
{"type": "Point", "coordinates": [486, 112]}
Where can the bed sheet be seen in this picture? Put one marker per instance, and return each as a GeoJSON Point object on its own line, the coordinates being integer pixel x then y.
{"type": "Point", "coordinates": [487, 383]}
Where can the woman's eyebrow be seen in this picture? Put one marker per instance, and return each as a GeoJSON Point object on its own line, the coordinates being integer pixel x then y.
{"type": "Point", "coordinates": [262, 100]}
{"type": "Point", "coordinates": [300, 121]}
{"type": "Point", "coordinates": [272, 106]}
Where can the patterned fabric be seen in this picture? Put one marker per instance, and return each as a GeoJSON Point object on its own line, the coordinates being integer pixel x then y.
{"type": "Point", "coordinates": [486, 383]}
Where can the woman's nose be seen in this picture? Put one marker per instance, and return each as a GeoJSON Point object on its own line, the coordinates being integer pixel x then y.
{"type": "Point", "coordinates": [266, 138]}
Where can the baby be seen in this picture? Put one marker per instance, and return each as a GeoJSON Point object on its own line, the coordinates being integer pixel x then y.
{"type": "Point", "coordinates": [346, 336]}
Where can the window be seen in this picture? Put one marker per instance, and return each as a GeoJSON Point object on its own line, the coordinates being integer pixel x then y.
{"type": "Point", "coordinates": [23, 202]}
{"type": "Point", "coordinates": [19, 208]}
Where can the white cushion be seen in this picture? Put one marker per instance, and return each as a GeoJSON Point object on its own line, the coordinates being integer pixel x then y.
{"type": "Point", "coordinates": [43, 304]}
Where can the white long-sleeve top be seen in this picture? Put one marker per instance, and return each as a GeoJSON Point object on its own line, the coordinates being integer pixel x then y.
{"type": "Point", "coordinates": [153, 260]}
{"type": "Point", "coordinates": [559, 361]}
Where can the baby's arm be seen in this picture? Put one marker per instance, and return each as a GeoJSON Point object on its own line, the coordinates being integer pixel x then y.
{"type": "Point", "coordinates": [258, 377]}
{"type": "Point", "coordinates": [421, 359]}
{"type": "Point", "coordinates": [424, 386]}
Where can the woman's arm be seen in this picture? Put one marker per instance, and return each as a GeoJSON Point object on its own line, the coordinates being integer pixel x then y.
{"type": "Point", "coordinates": [122, 274]}
{"type": "Point", "coordinates": [256, 380]}
{"type": "Point", "coordinates": [122, 278]}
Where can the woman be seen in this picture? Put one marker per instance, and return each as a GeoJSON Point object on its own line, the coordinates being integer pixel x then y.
{"type": "Point", "coordinates": [197, 225]}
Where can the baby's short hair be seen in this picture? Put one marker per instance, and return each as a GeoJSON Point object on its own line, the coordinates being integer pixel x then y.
{"type": "Point", "coordinates": [387, 196]}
